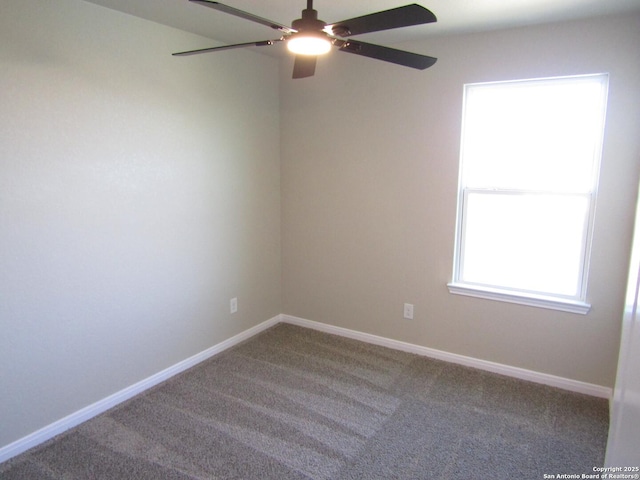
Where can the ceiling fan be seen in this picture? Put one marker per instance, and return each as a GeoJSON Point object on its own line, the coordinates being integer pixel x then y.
{"type": "Point", "coordinates": [309, 37]}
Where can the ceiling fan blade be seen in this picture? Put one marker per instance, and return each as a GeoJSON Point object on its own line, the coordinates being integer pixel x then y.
{"type": "Point", "coordinates": [247, 16]}
{"type": "Point", "coordinates": [406, 16]}
{"type": "Point", "coordinates": [386, 54]}
{"type": "Point", "coordinates": [304, 66]}
{"type": "Point", "coordinates": [262, 43]}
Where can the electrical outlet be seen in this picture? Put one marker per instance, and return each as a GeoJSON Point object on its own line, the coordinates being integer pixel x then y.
{"type": "Point", "coordinates": [233, 304]}
{"type": "Point", "coordinates": [408, 311]}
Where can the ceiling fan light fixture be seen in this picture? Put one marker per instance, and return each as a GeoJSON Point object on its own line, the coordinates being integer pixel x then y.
{"type": "Point", "coordinates": [302, 44]}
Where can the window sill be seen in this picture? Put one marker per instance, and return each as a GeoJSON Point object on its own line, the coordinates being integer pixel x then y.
{"type": "Point", "coordinates": [531, 300]}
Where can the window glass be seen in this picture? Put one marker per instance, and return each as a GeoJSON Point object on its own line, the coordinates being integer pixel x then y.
{"type": "Point", "coordinates": [526, 242]}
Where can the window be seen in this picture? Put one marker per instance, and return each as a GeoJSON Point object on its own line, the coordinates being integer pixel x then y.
{"type": "Point", "coordinates": [530, 156]}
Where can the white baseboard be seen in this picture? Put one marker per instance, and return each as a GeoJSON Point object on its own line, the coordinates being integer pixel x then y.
{"type": "Point", "coordinates": [84, 414]}
{"type": "Point", "coordinates": [516, 372]}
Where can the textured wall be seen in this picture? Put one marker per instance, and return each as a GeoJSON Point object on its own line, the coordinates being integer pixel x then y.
{"type": "Point", "coordinates": [139, 192]}
{"type": "Point", "coordinates": [370, 170]}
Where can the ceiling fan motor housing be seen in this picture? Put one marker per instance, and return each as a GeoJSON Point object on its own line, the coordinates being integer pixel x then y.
{"type": "Point", "coordinates": [309, 22]}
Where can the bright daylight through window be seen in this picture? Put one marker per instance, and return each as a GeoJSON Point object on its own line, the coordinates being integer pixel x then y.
{"type": "Point", "coordinates": [530, 157]}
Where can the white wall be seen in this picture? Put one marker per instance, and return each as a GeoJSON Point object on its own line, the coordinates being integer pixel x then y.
{"type": "Point", "coordinates": [624, 442]}
{"type": "Point", "coordinates": [369, 177]}
{"type": "Point", "coordinates": [139, 192]}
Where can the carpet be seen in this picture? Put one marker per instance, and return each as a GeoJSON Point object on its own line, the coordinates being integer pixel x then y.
{"type": "Point", "coordinates": [294, 403]}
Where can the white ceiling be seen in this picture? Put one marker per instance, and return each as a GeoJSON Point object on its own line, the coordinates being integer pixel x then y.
{"type": "Point", "coordinates": [453, 15]}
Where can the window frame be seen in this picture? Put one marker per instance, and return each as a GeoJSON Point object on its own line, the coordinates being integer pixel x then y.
{"type": "Point", "coordinates": [573, 304]}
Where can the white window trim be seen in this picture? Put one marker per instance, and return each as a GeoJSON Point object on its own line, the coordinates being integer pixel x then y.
{"type": "Point", "coordinates": [529, 299]}
{"type": "Point", "coordinates": [553, 302]}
